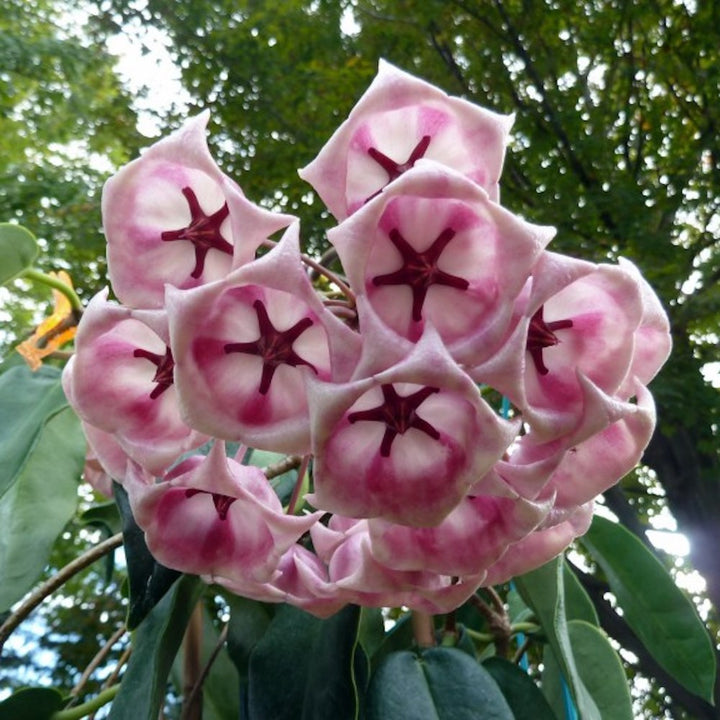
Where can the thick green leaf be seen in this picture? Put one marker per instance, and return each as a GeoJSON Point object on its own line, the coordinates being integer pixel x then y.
{"type": "Point", "coordinates": [544, 591]}
{"type": "Point", "coordinates": [39, 505]}
{"type": "Point", "coordinates": [439, 683]}
{"type": "Point", "coordinates": [148, 579]}
{"type": "Point", "coordinates": [521, 693]}
{"type": "Point", "coordinates": [305, 668]}
{"type": "Point", "coordinates": [601, 670]}
{"type": "Point", "coordinates": [27, 401]}
{"type": "Point", "coordinates": [578, 605]}
{"type": "Point", "coordinates": [554, 687]}
{"type": "Point", "coordinates": [155, 644]}
{"type": "Point", "coordinates": [372, 629]}
{"type": "Point", "coordinates": [18, 250]}
{"type": "Point", "coordinates": [654, 607]}
{"type": "Point", "coordinates": [105, 516]}
{"type": "Point", "coordinates": [399, 637]}
{"type": "Point", "coordinates": [31, 704]}
{"type": "Point", "coordinates": [249, 620]}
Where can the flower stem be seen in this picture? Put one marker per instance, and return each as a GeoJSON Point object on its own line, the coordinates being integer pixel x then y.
{"type": "Point", "coordinates": [59, 285]}
{"type": "Point", "coordinates": [423, 629]}
{"type": "Point", "coordinates": [192, 668]}
{"type": "Point", "coordinates": [80, 711]}
{"type": "Point", "coordinates": [292, 505]}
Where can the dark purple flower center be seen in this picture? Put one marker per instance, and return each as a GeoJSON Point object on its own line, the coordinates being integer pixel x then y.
{"type": "Point", "coordinates": [541, 335]}
{"type": "Point", "coordinates": [420, 269]}
{"type": "Point", "coordinates": [164, 373]}
{"type": "Point", "coordinates": [221, 502]}
{"type": "Point", "coordinates": [399, 413]}
{"type": "Point", "coordinates": [203, 231]}
{"type": "Point", "coordinates": [395, 169]}
{"type": "Point", "coordinates": [275, 347]}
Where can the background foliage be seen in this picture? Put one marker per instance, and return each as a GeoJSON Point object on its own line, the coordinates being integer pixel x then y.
{"type": "Point", "coordinates": [615, 143]}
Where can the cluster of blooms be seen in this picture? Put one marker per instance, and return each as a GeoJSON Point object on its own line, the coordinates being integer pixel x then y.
{"type": "Point", "coordinates": [421, 491]}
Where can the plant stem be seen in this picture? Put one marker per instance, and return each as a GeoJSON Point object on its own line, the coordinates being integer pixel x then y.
{"type": "Point", "coordinates": [206, 670]}
{"type": "Point", "coordinates": [56, 581]}
{"type": "Point", "coordinates": [96, 661]}
{"type": "Point", "coordinates": [298, 485]}
{"type": "Point", "coordinates": [423, 629]}
{"type": "Point", "coordinates": [59, 285]}
{"type": "Point", "coordinates": [290, 462]}
{"type": "Point", "coordinates": [192, 650]}
{"type": "Point", "coordinates": [75, 713]}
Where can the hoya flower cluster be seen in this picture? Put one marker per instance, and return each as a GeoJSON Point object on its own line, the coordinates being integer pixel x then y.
{"type": "Point", "coordinates": [420, 489]}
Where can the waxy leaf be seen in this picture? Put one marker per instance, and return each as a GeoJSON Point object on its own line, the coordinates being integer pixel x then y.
{"type": "Point", "coordinates": [440, 683]}
{"type": "Point", "coordinates": [521, 693]}
{"type": "Point", "coordinates": [654, 607]}
{"type": "Point", "coordinates": [544, 591]}
{"type": "Point", "coordinates": [601, 670]}
{"type": "Point", "coordinates": [305, 668]}
{"type": "Point", "coordinates": [18, 249]}
{"type": "Point", "coordinates": [27, 401]}
{"type": "Point", "coordinates": [249, 620]}
{"type": "Point", "coordinates": [578, 605]}
{"type": "Point", "coordinates": [39, 504]}
{"type": "Point", "coordinates": [147, 578]}
{"type": "Point", "coordinates": [155, 644]}
{"type": "Point", "coordinates": [31, 704]}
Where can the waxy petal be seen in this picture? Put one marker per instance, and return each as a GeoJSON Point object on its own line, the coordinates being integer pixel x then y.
{"type": "Point", "coordinates": [592, 466]}
{"type": "Point", "coordinates": [653, 341]}
{"type": "Point", "coordinates": [470, 539]}
{"type": "Point", "coordinates": [573, 347]}
{"type": "Point", "coordinates": [539, 547]}
{"type": "Point", "coordinates": [399, 120]}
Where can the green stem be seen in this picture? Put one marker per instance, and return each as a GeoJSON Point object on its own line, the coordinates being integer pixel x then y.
{"type": "Point", "coordinates": [59, 285]}
{"type": "Point", "coordinates": [524, 627]}
{"type": "Point", "coordinates": [521, 627]}
{"type": "Point", "coordinates": [80, 711]}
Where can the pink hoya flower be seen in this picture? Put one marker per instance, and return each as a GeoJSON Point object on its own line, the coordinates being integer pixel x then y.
{"type": "Point", "coordinates": [105, 460]}
{"type": "Point", "coordinates": [433, 248]}
{"type": "Point", "coordinates": [301, 580]}
{"type": "Point", "coordinates": [592, 466]}
{"type": "Point", "coordinates": [406, 443]}
{"type": "Point", "coordinates": [573, 346]}
{"type": "Point", "coordinates": [540, 546]}
{"type": "Point", "coordinates": [121, 381]}
{"type": "Point", "coordinates": [172, 216]}
{"type": "Point", "coordinates": [214, 517]}
{"type": "Point", "coordinates": [398, 121]}
{"type": "Point", "coordinates": [470, 539]}
{"type": "Point", "coordinates": [345, 546]}
{"type": "Point", "coordinates": [244, 347]}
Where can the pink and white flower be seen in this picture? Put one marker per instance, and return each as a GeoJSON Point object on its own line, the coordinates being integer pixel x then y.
{"type": "Point", "coordinates": [172, 216]}
{"type": "Point", "coordinates": [406, 443]}
{"type": "Point", "coordinates": [245, 346]}
{"type": "Point", "coordinates": [213, 516]}
{"type": "Point", "coordinates": [121, 381]}
{"type": "Point", "coordinates": [399, 120]}
{"type": "Point", "coordinates": [434, 249]}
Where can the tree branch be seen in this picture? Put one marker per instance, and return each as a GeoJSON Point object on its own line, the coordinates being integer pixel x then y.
{"type": "Point", "coordinates": [56, 581]}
